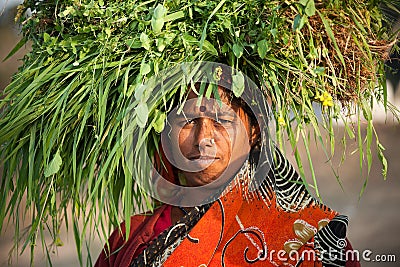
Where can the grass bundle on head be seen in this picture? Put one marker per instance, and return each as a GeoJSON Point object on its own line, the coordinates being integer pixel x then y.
{"type": "Point", "coordinates": [62, 115]}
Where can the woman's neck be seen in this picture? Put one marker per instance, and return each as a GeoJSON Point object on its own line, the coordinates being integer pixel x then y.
{"type": "Point", "coordinates": [178, 212]}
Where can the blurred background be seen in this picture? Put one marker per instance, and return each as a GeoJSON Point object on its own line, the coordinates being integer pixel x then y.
{"type": "Point", "coordinates": [374, 216]}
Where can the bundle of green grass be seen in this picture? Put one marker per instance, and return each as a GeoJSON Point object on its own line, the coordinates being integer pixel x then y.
{"type": "Point", "coordinates": [61, 117]}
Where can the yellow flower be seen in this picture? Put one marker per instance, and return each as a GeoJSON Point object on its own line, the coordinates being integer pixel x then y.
{"type": "Point", "coordinates": [325, 98]}
{"type": "Point", "coordinates": [281, 121]}
{"type": "Point", "coordinates": [328, 103]}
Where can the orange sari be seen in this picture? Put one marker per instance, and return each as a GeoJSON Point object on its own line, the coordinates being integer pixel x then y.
{"type": "Point", "coordinates": [279, 224]}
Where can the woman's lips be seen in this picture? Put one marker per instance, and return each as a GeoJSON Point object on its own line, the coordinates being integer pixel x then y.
{"type": "Point", "coordinates": [203, 161]}
{"type": "Point", "coordinates": [202, 157]}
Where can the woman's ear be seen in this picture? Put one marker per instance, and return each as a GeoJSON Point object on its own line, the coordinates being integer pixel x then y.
{"type": "Point", "coordinates": [254, 134]}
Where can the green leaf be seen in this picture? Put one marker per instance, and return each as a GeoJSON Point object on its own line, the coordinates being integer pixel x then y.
{"type": "Point", "coordinates": [238, 84]}
{"type": "Point", "coordinates": [160, 44]}
{"type": "Point", "coordinates": [210, 90]}
{"type": "Point", "coordinates": [225, 48]}
{"type": "Point", "coordinates": [208, 47]}
{"type": "Point", "coordinates": [188, 38]}
{"type": "Point", "coordinates": [54, 165]}
{"type": "Point", "coordinates": [144, 68]}
{"type": "Point", "coordinates": [157, 21]}
{"type": "Point", "coordinates": [142, 113]}
{"type": "Point", "coordinates": [296, 22]}
{"type": "Point", "coordinates": [68, 10]}
{"type": "Point", "coordinates": [46, 37]}
{"type": "Point", "coordinates": [107, 31]}
{"type": "Point", "coordinates": [146, 42]}
{"type": "Point", "coordinates": [262, 48]}
{"type": "Point", "coordinates": [319, 70]}
{"type": "Point", "coordinates": [133, 43]}
{"type": "Point", "coordinates": [204, 32]}
{"type": "Point", "coordinates": [382, 158]}
{"type": "Point", "coordinates": [310, 8]}
{"type": "Point", "coordinates": [58, 242]}
{"type": "Point", "coordinates": [201, 91]}
{"type": "Point", "coordinates": [368, 148]}
{"type": "Point", "coordinates": [157, 24]}
{"type": "Point", "coordinates": [159, 122]}
{"type": "Point", "coordinates": [237, 50]}
{"type": "Point", "coordinates": [174, 16]}
{"type": "Point", "coordinates": [139, 90]}
{"type": "Point", "coordinates": [299, 22]}
{"type": "Point", "coordinates": [331, 35]}
{"type": "Point", "coordinates": [16, 48]}
{"type": "Point", "coordinates": [159, 11]}
{"type": "Point", "coordinates": [274, 33]}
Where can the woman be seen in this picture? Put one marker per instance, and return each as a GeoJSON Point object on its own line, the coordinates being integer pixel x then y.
{"type": "Point", "coordinates": [212, 147]}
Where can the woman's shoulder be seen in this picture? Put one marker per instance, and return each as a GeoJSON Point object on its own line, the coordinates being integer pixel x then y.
{"type": "Point", "coordinates": [147, 219]}
{"type": "Point", "coordinates": [141, 229]}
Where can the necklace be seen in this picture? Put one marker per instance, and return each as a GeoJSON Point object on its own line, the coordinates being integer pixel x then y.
{"type": "Point", "coordinates": [183, 210]}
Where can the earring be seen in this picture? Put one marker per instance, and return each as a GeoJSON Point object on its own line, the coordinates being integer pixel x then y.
{"type": "Point", "coordinates": [182, 179]}
{"type": "Point", "coordinates": [244, 178]}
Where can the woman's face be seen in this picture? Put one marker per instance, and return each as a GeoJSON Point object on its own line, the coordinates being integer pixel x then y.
{"type": "Point", "coordinates": [209, 141]}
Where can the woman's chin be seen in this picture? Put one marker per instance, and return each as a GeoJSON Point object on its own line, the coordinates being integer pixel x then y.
{"type": "Point", "coordinates": [213, 179]}
{"type": "Point", "coordinates": [203, 163]}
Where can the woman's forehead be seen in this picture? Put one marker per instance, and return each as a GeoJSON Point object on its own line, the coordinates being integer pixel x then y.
{"type": "Point", "coordinates": [209, 105]}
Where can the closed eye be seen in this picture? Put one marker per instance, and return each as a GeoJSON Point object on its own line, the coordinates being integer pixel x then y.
{"type": "Point", "coordinates": [224, 121]}
{"type": "Point", "coordinates": [186, 122]}
{"type": "Point", "coordinates": [190, 121]}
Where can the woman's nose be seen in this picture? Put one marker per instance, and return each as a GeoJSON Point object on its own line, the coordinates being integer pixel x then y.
{"type": "Point", "coordinates": [205, 133]}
